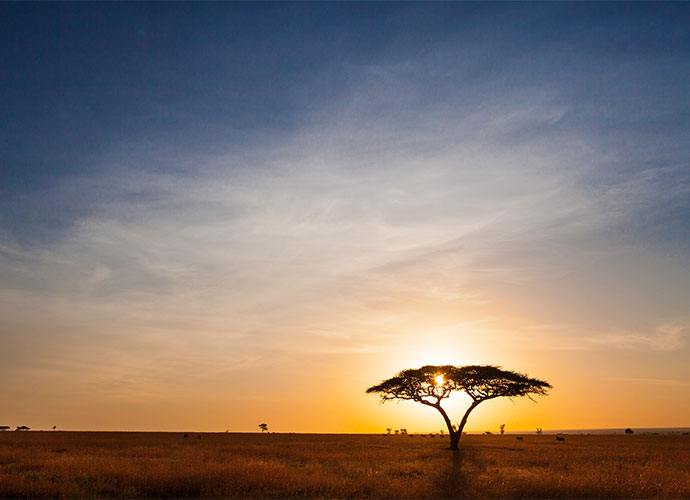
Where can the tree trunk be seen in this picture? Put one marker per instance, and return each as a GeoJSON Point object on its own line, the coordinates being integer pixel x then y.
{"type": "Point", "coordinates": [454, 436]}
{"type": "Point", "coordinates": [454, 440]}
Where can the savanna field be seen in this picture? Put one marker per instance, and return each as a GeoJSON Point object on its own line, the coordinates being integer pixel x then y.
{"type": "Point", "coordinates": [167, 465]}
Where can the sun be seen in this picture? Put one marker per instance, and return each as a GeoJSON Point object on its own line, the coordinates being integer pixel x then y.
{"type": "Point", "coordinates": [439, 379]}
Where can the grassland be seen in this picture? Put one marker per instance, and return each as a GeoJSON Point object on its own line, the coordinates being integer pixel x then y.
{"type": "Point", "coordinates": [166, 465]}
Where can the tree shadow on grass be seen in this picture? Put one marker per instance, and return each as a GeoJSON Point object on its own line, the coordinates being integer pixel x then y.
{"type": "Point", "coordinates": [453, 481]}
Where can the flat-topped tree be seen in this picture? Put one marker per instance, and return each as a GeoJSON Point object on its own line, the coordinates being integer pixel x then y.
{"type": "Point", "coordinates": [429, 385]}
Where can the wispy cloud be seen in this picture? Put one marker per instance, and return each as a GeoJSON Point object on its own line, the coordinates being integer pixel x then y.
{"type": "Point", "coordinates": [351, 211]}
{"type": "Point", "coordinates": [652, 381]}
{"type": "Point", "coordinates": [664, 337]}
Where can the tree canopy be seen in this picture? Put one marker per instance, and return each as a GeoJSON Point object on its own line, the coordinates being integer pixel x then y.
{"type": "Point", "coordinates": [431, 384]}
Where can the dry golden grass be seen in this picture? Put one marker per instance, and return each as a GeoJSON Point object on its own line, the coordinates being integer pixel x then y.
{"type": "Point", "coordinates": [165, 465]}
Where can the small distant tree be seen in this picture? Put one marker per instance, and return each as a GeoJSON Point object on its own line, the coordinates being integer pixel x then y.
{"type": "Point", "coordinates": [429, 385]}
{"type": "Point", "coordinates": [403, 431]}
{"type": "Point", "coordinates": [629, 431]}
{"type": "Point", "coordinates": [22, 428]}
{"type": "Point", "coordinates": [4, 427]}
{"type": "Point", "coordinates": [263, 427]}
{"type": "Point", "coordinates": [397, 432]}
{"type": "Point", "coordinates": [539, 431]}
{"type": "Point", "coordinates": [440, 433]}
{"type": "Point", "coordinates": [388, 431]}
{"type": "Point", "coordinates": [502, 427]}
{"type": "Point", "coordinates": [55, 427]}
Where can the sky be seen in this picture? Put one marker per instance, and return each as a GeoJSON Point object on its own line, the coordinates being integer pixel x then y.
{"type": "Point", "coordinates": [218, 215]}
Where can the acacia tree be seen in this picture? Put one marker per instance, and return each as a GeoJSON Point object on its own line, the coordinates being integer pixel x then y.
{"type": "Point", "coordinates": [429, 385]}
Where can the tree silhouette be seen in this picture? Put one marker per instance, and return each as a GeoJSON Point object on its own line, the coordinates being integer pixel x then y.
{"type": "Point", "coordinates": [263, 427]}
{"type": "Point", "coordinates": [429, 385]}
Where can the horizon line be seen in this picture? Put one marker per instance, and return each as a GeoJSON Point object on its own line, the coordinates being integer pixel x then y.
{"type": "Point", "coordinates": [511, 432]}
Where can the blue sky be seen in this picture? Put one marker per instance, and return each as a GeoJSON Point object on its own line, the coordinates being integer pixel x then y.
{"type": "Point", "coordinates": [190, 191]}
{"type": "Point", "coordinates": [85, 84]}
